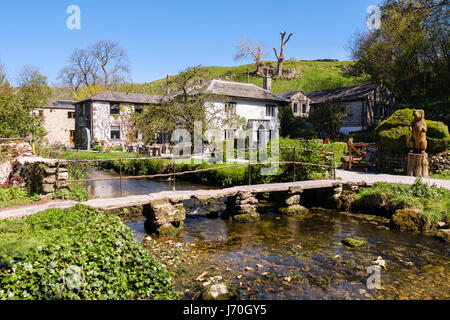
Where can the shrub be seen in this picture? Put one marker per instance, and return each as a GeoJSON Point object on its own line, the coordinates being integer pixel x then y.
{"type": "Point", "coordinates": [394, 134]}
{"type": "Point", "coordinates": [98, 258]}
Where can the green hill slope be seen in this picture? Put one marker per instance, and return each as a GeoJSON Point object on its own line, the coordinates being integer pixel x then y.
{"type": "Point", "coordinates": [304, 76]}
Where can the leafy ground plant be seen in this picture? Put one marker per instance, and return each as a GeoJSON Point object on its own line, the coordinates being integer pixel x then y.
{"type": "Point", "coordinates": [77, 253]}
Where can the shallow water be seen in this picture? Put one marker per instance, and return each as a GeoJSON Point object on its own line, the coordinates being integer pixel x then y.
{"type": "Point", "coordinates": [307, 249]}
{"type": "Point", "coordinates": [111, 188]}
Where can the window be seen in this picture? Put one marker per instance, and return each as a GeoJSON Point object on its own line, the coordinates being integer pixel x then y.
{"type": "Point", "coordinates": [295, 107]}
{"type": "Point", "coordinates": [115, 133]}
{"type": "Point", "coordinates": [70, 115]}
{"type": "Point", "coordinates": [230, 107]}
{"type": "Point", "coordinates": [114, 108]}
{"type": "Point", "coordinates": [270, 110]}
{"type": "Point", "coordinates": [304, 108]}
{"type": "Point", "coordinates": [229, 134]}
{"type": "Point", "coordinates": [138, 109]}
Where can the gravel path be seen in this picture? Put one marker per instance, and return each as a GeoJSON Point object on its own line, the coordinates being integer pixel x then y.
{"type": "Point", "coordinates": [370, 177]}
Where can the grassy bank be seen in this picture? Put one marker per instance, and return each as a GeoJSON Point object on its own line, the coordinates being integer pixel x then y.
{"type": "Point", "coordinates": [386, 198]}
{"type": "Point", "coordinates": [77, 253]}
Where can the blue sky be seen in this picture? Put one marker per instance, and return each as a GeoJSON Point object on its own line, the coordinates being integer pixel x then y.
{"type": "Point", "coordinates": [163, 37]}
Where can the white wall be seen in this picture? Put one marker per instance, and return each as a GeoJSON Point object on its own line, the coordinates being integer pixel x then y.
{"type": "Point", "coordinates": [253, 110]}
{"type": "Point", "coordinates": [58, 125]}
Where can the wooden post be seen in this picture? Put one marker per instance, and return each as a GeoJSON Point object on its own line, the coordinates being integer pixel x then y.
{"type": "Point", "coordinates": [57, 179]}
{"type": "Point", "coordinates": [334, 166]}
{"type": "Point", "coordinates": [120, 180]}
{"type": "Point", "coordinates": [349, 143]}
{"type": "Point", "coordinates": [249, 166]}
{"type": "Point", "coordinates": [417, 165]}
{"type": "Point", "coordinates": [173, 175]}
{"type": "Point", "coordinates": [295, 159]}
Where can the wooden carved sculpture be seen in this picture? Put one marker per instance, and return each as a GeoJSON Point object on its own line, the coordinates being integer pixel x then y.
{"type": "Point", "coordinates": [418, 127]}
{"type": "Point", "coordinates": [418, 158]}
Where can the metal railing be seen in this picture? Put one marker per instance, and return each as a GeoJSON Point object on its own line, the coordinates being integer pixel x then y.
{"type": "Point", "coordinates": [174, 173]}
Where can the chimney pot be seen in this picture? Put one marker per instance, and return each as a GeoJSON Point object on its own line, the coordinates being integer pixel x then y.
{"type": "Point", "coordinates": [267, 82]}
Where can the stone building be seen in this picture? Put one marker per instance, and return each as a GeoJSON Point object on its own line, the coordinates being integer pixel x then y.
{"type": "Point", "coordinates": [367, 104]}
{"type": "Point", "coordinates": [105, 118]}
{"type": "Point", "coordinates": [59, 122]}
{"type": "Point", "coordinates": [258, 106]}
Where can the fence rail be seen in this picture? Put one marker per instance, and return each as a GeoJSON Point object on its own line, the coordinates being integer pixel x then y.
{"type": "Point", "coordinates": [174, 173]}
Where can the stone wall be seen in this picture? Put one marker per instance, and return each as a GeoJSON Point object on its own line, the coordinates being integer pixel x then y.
{"type": "Point", "coordinates": [440, 163]}
{"type": "Point", "coordinates": [24, 169]}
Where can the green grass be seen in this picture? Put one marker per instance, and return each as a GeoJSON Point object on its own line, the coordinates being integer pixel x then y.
{"type": "Point", "coordinates": [15, 196]}
{"type": "Point", "coordinates": [444, 175]}
{"type": "Point", "coordinates": [77, 253]}
{"type": "Point", "coordinates": [432, 201]}
{"type": "Point", "coordinates": [83, 154]}
{"type": "Point", "coordinates": [314, 75]}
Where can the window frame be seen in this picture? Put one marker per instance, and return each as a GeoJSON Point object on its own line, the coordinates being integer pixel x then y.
{"type": "Point", "coordinates": [112, 107]}
{"type": "Point", "coordinates": [230, 107]}
{"type": "Point", "coordinates": [270, 110]}
{"type": "Point", "coordinates": [115, 130]}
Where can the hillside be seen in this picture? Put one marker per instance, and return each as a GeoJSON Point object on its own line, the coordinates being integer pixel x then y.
{"type": "Point", "coordinates": [305, 76]}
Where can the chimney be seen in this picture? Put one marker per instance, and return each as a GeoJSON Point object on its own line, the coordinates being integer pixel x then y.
{"type": "Point", "coordinates": [267, 81]}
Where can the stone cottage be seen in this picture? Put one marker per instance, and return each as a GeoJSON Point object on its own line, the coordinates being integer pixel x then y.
{"type": "Point", "coordinates": [367, 104]}
{"type": "Point", "coordinates": [59, 122]}
{"type": "Point", "coordinates": [105, 118]}
{"type": "Point", "coordinates": [258, 106]}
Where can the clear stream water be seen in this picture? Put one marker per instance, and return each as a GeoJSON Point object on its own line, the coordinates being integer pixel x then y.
{"type": "Point", "coordinates": [307, 249]}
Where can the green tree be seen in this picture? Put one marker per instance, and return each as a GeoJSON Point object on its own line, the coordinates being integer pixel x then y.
{"type": "Point", "coordinates": [329, 117]}
{"type": "Point", "coordinates": [410, 52]}
{"type": "Point", "coordinates": [18, 116]}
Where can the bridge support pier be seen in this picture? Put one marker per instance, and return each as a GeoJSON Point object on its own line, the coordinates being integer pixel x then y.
{"type": "Point", "coordinates": [164, 217]}
{"type": "Point", "coordinates": [242, 207]}
{"type": "Point", "coordinates": [289, 202]}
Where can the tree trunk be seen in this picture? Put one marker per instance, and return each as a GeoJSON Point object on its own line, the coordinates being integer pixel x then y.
{"type": "Point", "coordinates": [417, 165]}
{"type": "Point", "coordinates": [280, 57]}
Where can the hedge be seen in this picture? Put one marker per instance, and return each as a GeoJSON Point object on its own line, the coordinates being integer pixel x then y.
{"type": "Point", "coordinates": [394, 134]}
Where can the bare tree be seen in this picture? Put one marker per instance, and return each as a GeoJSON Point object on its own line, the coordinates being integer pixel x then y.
{"type": "Point", "coordinates": [86, 65]}
{"type": "Point", "coordinates": [245, 49]}
{"type": "Point", "coordinates": [70, 77]}
{"type": "Point", "coordinates": [280, 57]}
{"type": "Point", "coordinates": [112, 60]}
{"type": "Point", "coordinates": [30, 75]}
{"type": "Point", "coordinates": [3, 79]}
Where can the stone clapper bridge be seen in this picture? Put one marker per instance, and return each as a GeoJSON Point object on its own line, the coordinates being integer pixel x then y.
{"type": "Point", "coordinates": [165, 210]}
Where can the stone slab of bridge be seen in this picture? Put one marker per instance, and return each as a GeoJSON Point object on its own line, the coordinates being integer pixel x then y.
{"type": "Point", "coordinates": [172, 196]}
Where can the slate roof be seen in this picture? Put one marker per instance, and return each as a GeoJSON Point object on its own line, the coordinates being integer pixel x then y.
{"type": "Point", "coordinates": [241, 90]}
{"type": "Point", "coordinates": [60, 104]}
{"type": "Point", "coordinates": [353, 93]}
{"type": "Point", "coordinates": [124, 97]}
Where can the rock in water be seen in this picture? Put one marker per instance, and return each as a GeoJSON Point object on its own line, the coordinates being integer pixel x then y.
{"type": "Point", "coordinates": [220, 291]}
{"type": "Point", "coordinates": [409, 220]}
{"type": "Point", "coordinates": [354, 243]}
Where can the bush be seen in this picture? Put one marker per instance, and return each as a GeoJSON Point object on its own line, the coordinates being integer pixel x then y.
{"type": "Point", "coordinates": [394, 134]}
{"type": "Point", "coordinates": [90, 255]}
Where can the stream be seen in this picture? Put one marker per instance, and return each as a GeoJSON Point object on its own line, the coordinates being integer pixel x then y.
{"type": "Point", "coordinates": [301, 257]}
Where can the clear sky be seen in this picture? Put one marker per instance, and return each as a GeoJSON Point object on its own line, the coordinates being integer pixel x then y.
{"type": "Point", "coordinates": [165, 36]}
